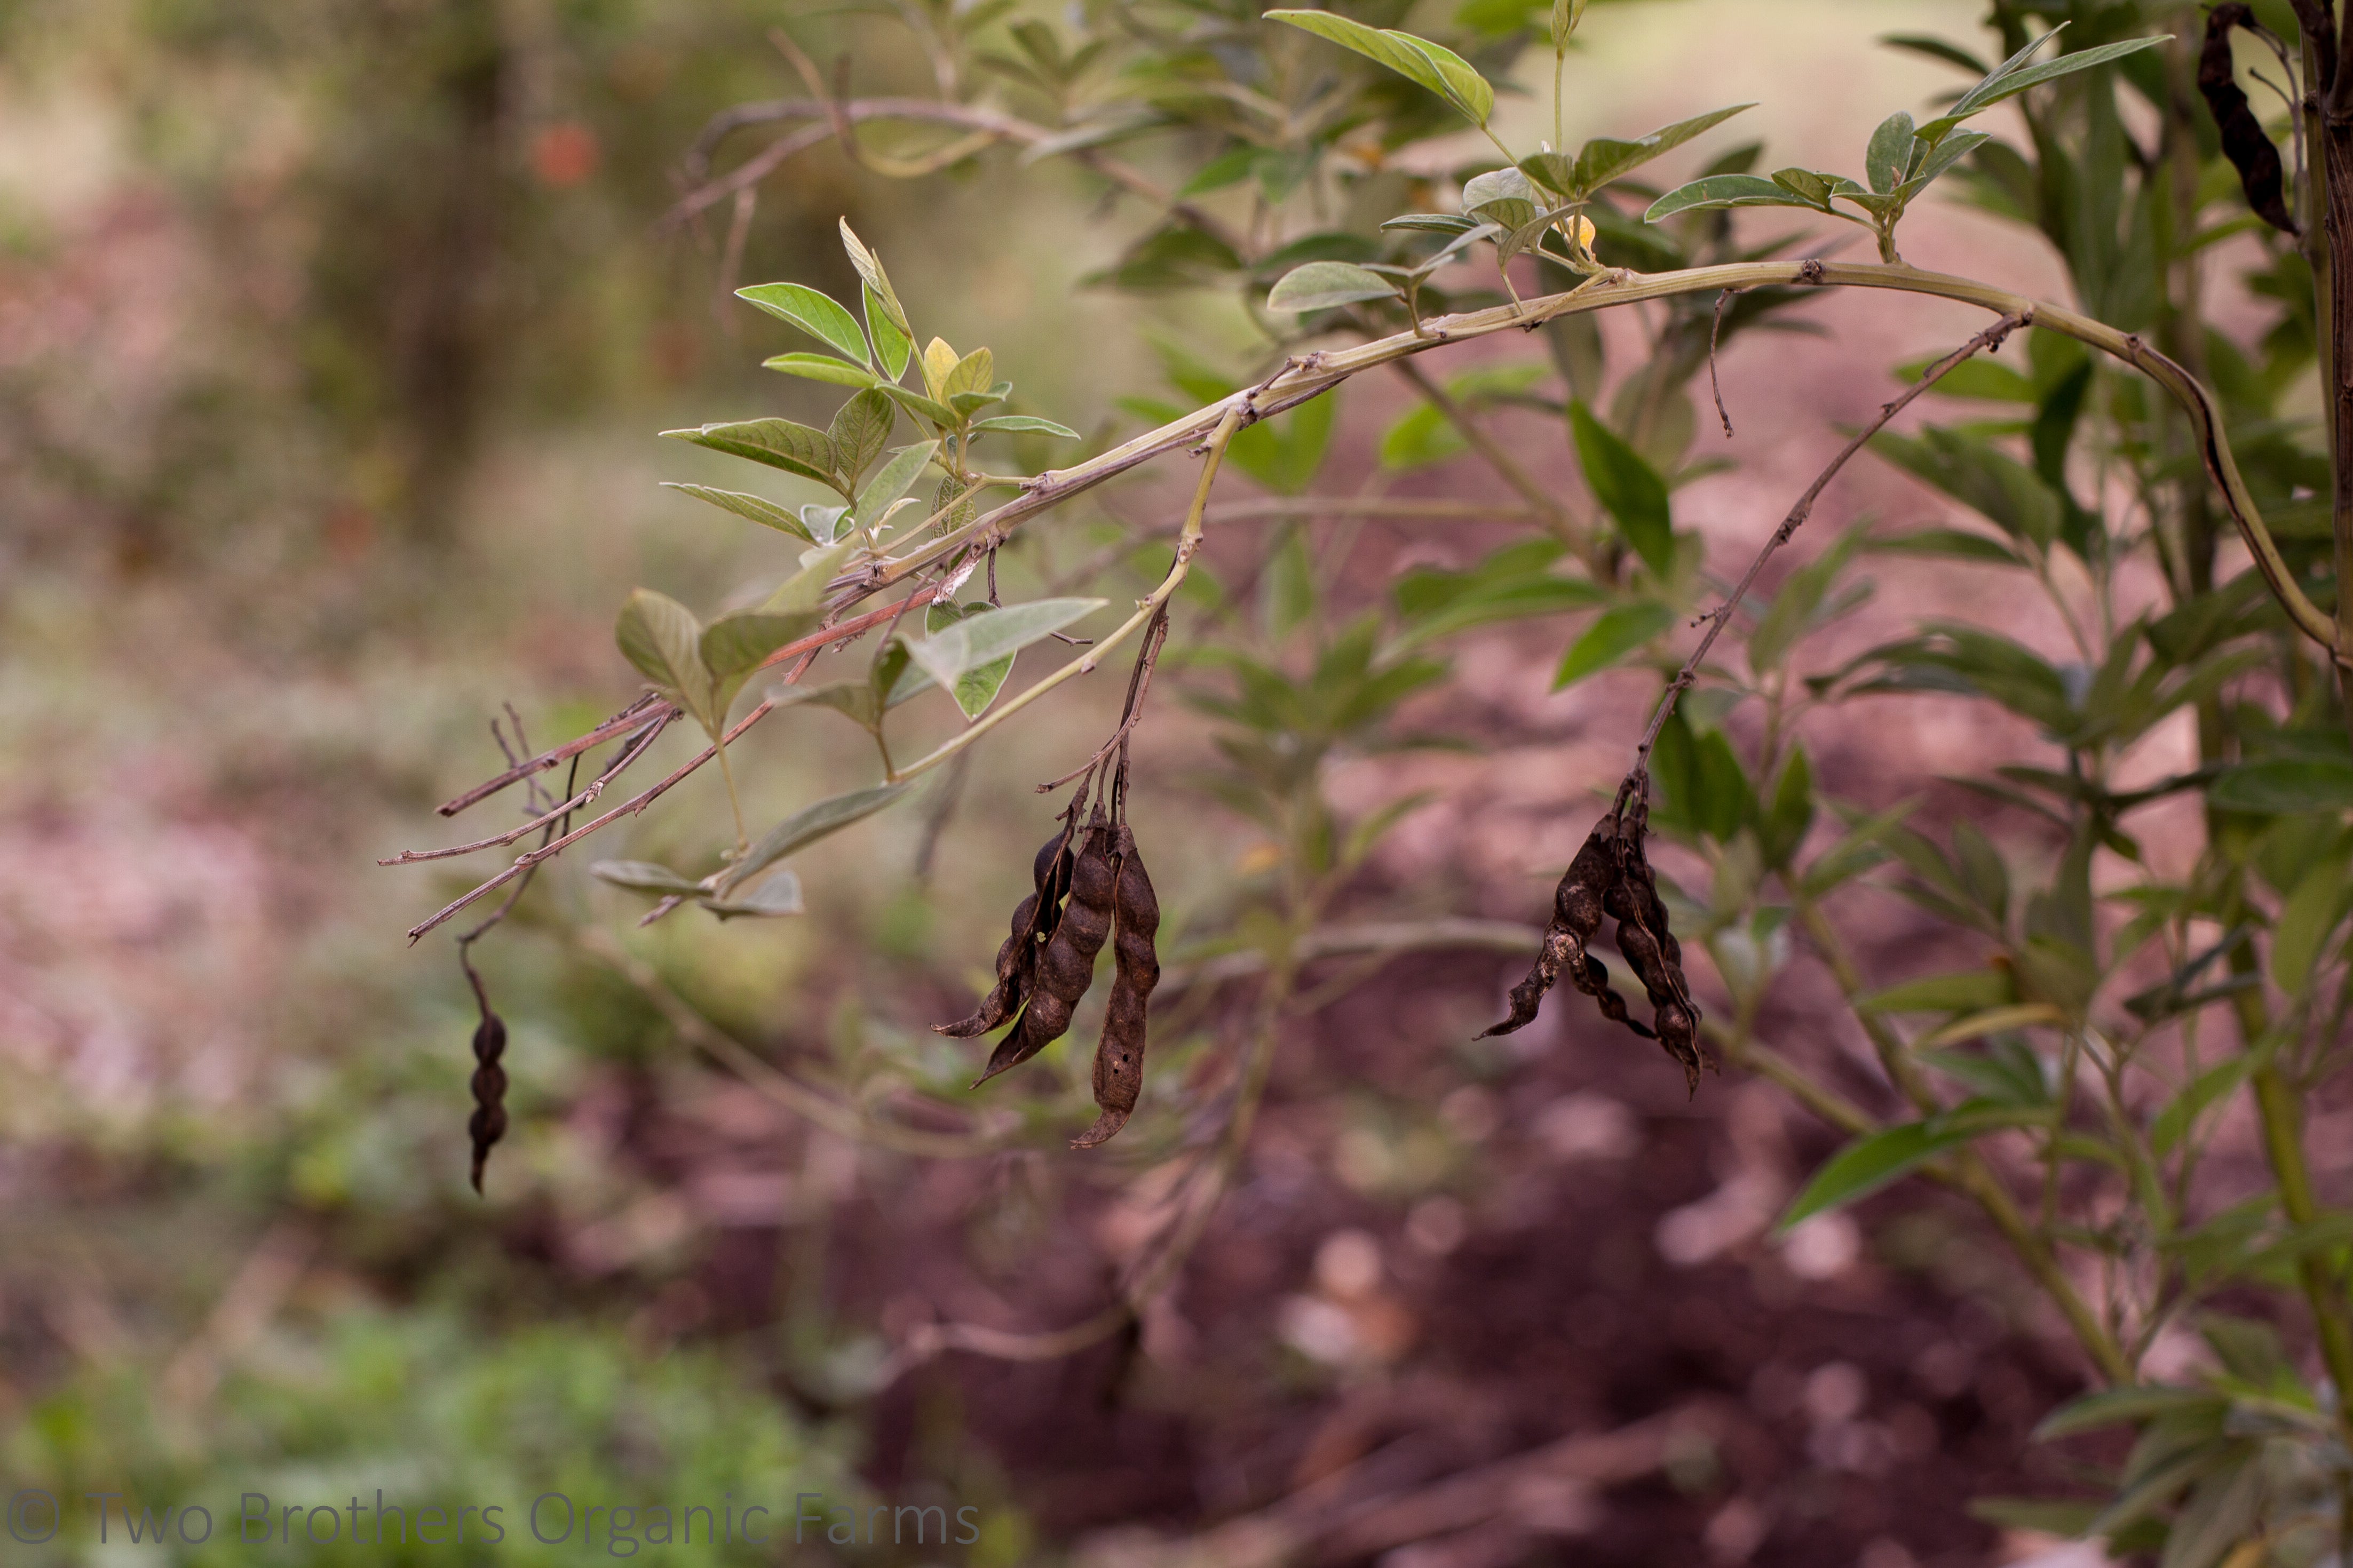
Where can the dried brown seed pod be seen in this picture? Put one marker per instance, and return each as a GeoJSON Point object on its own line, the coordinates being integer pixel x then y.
{"type": "Point", "coordinates": [488, 1122]}
{"type": "Point", "coordinates": [1016, 960]}
{"type": "Point", "coordinates": [2245, 140]}
{"type": "Point", "coordinates": [1119, 1058]}
{"type": "Point", "coordinates": [1576, 916]}
{"type": "Point", "coordinates": [1066, 966]}
{"type": "Point", "coordinates": [1652, 950]}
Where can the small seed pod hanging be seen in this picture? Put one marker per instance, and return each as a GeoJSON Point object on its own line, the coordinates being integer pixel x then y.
{"type": "Point", "coordinates": [488, 1122]}
{"type": "Point", "coordinates": [1119, 1057]}
{"type": "Point", "coordinates": [1066, 966]}
{"type": "Point", "coordinates": [1034, 919]}
{"type": "Point", "coordinates": [1651, 948]}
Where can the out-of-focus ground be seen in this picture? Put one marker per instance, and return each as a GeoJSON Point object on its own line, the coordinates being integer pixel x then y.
{"type": "Point", "coordinates": [330, 371]}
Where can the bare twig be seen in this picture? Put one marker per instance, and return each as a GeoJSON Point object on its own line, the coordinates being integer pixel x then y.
{"type": "Point", "coordinates": [837, 113]}
{"type": "Point", "coordinates": [1714, 336]}
{"type": "Point", "coordinates": [1717, 618]}
{"type": "Point", "coordinates": [620, 724]}
{"type": "Point", "coordinates": [636, 748]}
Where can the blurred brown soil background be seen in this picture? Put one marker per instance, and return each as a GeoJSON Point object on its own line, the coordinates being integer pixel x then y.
{"type": "Point", "coordinates": [287, 513]}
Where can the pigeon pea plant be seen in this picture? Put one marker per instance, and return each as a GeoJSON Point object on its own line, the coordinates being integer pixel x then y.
{"type": "Point", "coordinates": [2153, 477]}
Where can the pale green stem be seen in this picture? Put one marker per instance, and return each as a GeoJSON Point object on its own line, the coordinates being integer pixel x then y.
{"type": "Point", "coordinates": [1320, 372]}
{"type": "Point", "coordinates": [1188, 543]}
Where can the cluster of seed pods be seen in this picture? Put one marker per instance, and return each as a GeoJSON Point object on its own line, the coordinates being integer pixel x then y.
{"type": "Point", "coordinates": [1091, 887]}
{"type": "Point", "coordinates": [1611, 876]}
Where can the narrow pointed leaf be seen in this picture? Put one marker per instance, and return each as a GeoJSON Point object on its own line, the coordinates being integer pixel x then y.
{"type": "Point", "coordinates": [1628, 487]}
{"type": "Point", "coordinates": [976, 688]}
{"type": "Point", "coordinates": [805, 589]}
{"type": "Point", "coordinates": [892, 347]}
{"type": "Point", "coordinates": [662, 639]}
{"type": "Point", "coordinates": [922, 408]}
{"type": "Point", "coordinates": [1439, 70]}
{"type": "Point", "coordinates": [1603, 159]}
{"type": "Point", "coordinates": [642, 876]}
{"type": "Point", "coordinates": [1613, 634]}
{"type": "Point", "coordinates": [759, 510]}
{"type": "Point", "coordinates": [1990, 92]}
{"type": "Point", "coordinates": [1321, 285]}
{"type": "Point", "coordinates": [779, 895]}
{"type": "Point", "coordinates": [1947, 153]}
{"type": "Point", "coordinates": [1025, 424]}
{"type": "Point", "coordinates": [1721, 191]}
{"type": "Point", "coordinates": [969, 644]}
{"type": "Point", "coordinates": [860, 433]}
{"type": "Point", "coordinates": [869, 270]}
{"type": "Point", "coordinates": [732, 645]}
{"type": "Point", "coordinates": [779, 443]}
{"type": "Point", "coordinates": [1870, 1163]}
{"type": "Point", "coordinates": [808, 825]}
{"type": "Point", "coordinates": [1887, 161]}
{"type": "Point", "coordinates": [976, 372]}
{"type": "Point", "coordinates": [819, 367]}
{"type": "Point", "coordinates": [890, 481]}
{"type": "Point", "coordinates": [813, 313]}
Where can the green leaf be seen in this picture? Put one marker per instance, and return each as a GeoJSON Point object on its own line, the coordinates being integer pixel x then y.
{"type": "Point", "coordinates": [779, 443]}
{"type": "Point", "coordinates": [2173, 1123]}
{"type": "Point", "coordinates": [948, 653]}
{"type": "Point", "coordinates": [1441, 70]}
{"type": "Point", "coordinates": [1940, 160]}
{"type": "Point", "coordinates": [1322, 285]}
{"type": "Point", "coordinates": [892, 348]}
{"type": "Point", "coordinates": [1947, 542]}
{"type": "Point", "coordinates": [1782, 831]}
{"type": "Point", "coordinates": [1888, 159]}
{"type": "Point", "coordinates": [1627, 487]}
{"type": "Point", "coordinates": [813, 313]}
{"type": "Point", "coordinates": [1871, 1162]}
{"type": "Point", "coordinates": [1026, 425]}
{"type": "Point", "coordinates": [1566, 15]}
{"type": "Point", "coordinates": [922, 408]}
{"type": "Point", "coordinates": [820, 367]}
{"type": "Point", "coordinates": [1613, 634]}
{"type": "Point", "coordinates": [808, 825]}
{"type": "Point", "coordinates": [890, 481]}
{"type": "Point", "coordinates": [853, 699]}
{"type": "Point", "coordinates": [1603, 159]}
{"type": "Point", "coordinates": [768, 514]}
{"type": "Point", "coordinates": [1421, 437]}
{"type": "Point", "coordinates": [733, 647]}
{"type": "Point", "coordinates": [976, 372]}
{"type": "Point", "coordinates": [662, 639]}
{"type": "Point", "coordinates": [861, 430]}
{"type": "Point", "coordinates": [642, 876]}
{"type": "Point", "coordinates": [2281, 787]}
{"type": "Point", "coordinates": [1722, 191]}
{"type": "Point", "coordinates": [805, 589]}
{"type": "Point", "coordinates": [976, 688]}
{"type": "Point", "coordinates": [1971, 471]}
{"type": "Point", "coordinates": [869, 270]}
{"type": "Point", "coordinates": [2306, 922]}
{"type": "Point", "coordinates": [1283, 454]}
{"type": "Point", "coordinates": [2014, 77]}
{"type": "Point", "coordinates": [779, 895]}
{"type": "Point", "coordinates": [2127, 1407]}
{"type": "Point", "coordinates": [1968, 991]}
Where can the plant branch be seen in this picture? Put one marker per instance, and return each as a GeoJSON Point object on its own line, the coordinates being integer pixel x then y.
{"type": "Point", "coordinates": [1987, 341]}
{"type": "Point", "coordinates": [1188, 543]}
{"type": "Point", "coordinates": [835, 116]}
